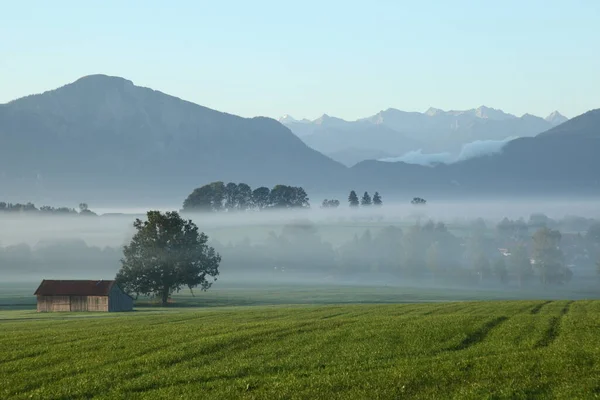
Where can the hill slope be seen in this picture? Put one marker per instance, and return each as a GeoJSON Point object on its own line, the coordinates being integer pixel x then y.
{"type": "Point", "coordinates": [108, 140]}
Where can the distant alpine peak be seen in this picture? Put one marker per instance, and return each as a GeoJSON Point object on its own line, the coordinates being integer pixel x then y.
{"type": "Point", "coordinates": [287, 118]}
{"type": "Point", "coordinates": [491, 113]}
{"type": "Point", "coordinates": [556, 118]}
{"type": "Point", "coordinates": [431, 111]}
{"type": "Point", "coordinates": [325, 118]}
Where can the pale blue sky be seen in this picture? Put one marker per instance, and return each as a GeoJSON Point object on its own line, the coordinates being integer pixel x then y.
{"type": "Point", "coordinates": [305, 58]}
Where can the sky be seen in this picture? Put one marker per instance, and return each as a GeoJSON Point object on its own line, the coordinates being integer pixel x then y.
{"type": "Point", "coordinates": [346, 58]}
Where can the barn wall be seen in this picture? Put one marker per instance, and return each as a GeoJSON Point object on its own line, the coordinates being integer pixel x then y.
{"type": "Point", "coordinates": [119, 301]}
{"type": "Point", "coordinates": [53, 303]}
{"type": "Point", "coordinates": [97, 303]}
{"type": "Point", "coordinates": [79, 303]}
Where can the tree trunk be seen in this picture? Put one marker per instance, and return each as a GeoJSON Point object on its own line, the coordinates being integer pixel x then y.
{"type": "Point", "coordinates": [165, 297]}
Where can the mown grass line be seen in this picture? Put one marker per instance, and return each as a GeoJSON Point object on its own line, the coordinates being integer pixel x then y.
{"type": "Point", "coordinates": [536, 309]}
{"type": "Point", "coordinates": [551, 334]}
{"type": "Point", "coordinates": [478, 335]}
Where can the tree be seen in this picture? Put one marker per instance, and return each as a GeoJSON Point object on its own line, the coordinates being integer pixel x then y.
{"type": "Point", "coordinates": [353, 199]}
{"type": "Point", "coordinates": [418, 201]}
{"type": "Point", "coordinates": [432, 259]}
{"type": "Point", "coordinates": [414, 248]}
{"type": "Point", "coordinates": [593, 234]}
{"type": "Point", "coordinates": [280, 196]}
{"type": "Point", "coordinates": [330, 203]}
{"type": "Point", "coordinates": [231, 196]}
{"type": "Point", "coordinates": [500, 271]}
{"type": "Point", "coordinates": [166, 254]}
{"type": "Point", "coordinates": [244, 196]}
{"type": "Point", "coordinates": [283, 196]}
{"type": "Point", "coordinates": [377, 199]}
{"type": "Point", "coordinates": [84, 210]}
{"type": "Point", "coordinates": [366, 200]}
{"type": "Point", "coordinates": [481, 266]}
{"type": "Point", "coordinates": [298, 198]}
{"type": "Point", "coordinates": [538, 220]}
{"type": "Point", "coordinates": [519, 264]}
{"type": "Point", "coordinates": [206, 198]}
{"type": "Point", "coordinates": [547, 255]}
{"type": "Point", "coordinates": [260, 197]}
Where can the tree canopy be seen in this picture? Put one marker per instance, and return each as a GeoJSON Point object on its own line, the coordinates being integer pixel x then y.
{"type": "Point", "coordinates": [330, 203]}
{"type": "Point", "coordinates": [418, 201]}
{"type": "Point", "coordinates": [353, 199]}
{"type": "Point", "coordinates": [166, 254]}
{"type": "Point", "coordinates": [366, 200]}
{"type": "Point", "coordinates": [548, 257]}
{"type": "Point", "coordinates": [377, 199]}
{"type": "Point", "coordinates": [229, 197]}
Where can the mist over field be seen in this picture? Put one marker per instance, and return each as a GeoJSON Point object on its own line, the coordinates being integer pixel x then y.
{"type": "Point", "coordinates": [452, 244]}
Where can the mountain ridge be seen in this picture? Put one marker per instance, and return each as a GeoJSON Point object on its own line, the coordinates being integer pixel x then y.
{"type": "Point", "coordinates": [105, 131]}
{"type": "Point", "coordinates": [433, 131]}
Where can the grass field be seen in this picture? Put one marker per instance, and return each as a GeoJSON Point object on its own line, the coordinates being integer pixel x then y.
{"type": "Point", "coordinates": [510, 349]}
{"type": "Point", "coordinates": [20, 295]}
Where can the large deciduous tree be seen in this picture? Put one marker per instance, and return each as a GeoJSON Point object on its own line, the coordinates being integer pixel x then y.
{"type": "Point", "coordinates": [244, 197]}
{"type": "Point", "coordinates": [206, 198]}
{"type": "Point", "coordinates": [166, 254]}
{"type": "Point", "coordinates": [231, 196]}
{"type": "Point", "coordinates": [283, 196]}
{"type": "Point", "coordinates": [260, 197]}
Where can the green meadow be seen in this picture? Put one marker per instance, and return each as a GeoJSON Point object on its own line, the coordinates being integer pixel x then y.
{"type": "Point", "coordinates": [462, 350]}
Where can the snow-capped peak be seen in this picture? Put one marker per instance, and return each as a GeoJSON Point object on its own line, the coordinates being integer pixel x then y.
{"type": "Point", "coordinates": [287, 118]}
{"type": "Point", "coordinates": [556, 118]}
{"type": "Point", "coordinates": [431, 111]}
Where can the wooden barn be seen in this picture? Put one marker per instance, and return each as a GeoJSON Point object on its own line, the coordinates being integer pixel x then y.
{"type": "Point", "coordinates": [60, 295]}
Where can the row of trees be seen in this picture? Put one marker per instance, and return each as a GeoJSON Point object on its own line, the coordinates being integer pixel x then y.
{"type": "Point", "coordinates": [31, 208]}
{"type": "Point", "coordinates": [366, 199]}
{"type": "Point", "coordinates": [229, 197]}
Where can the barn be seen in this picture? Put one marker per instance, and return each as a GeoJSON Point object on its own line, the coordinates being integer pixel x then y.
{"type": "Point", "coordinates": [80, 295]}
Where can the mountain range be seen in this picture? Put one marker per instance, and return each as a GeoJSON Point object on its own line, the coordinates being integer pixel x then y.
{"type": "Point", "coordinates": [562, 161]}
{"type": "Point", "coordinates": [105, 141]}
{"type": "Point", "coordinates": [394, 132]}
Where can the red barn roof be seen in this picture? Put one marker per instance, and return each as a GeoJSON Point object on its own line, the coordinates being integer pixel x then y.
{"type": "Point", "coordinates": [74, 288]}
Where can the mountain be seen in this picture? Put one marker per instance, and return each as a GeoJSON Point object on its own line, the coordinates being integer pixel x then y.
{"type": "Point", "coordinates": [434, 131]}
{"type": "Point", "coordinates": [288, 119]}
{"type": "Point", "coordinates": [102, 139]}
{"type": "Point", "coordinates": [562, 161]}
{"type": "Point", "coordinates": [351, 156]}
{"type": "Point", "coordinates": [556, 118]}
{"type": "Point", "coordinates": [447, 131]}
